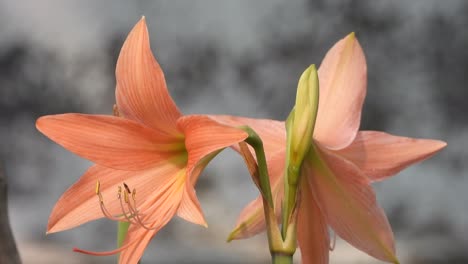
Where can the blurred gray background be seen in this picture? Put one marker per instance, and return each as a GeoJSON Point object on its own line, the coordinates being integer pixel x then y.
{"type": "Point", "coordinates": [242, 58]}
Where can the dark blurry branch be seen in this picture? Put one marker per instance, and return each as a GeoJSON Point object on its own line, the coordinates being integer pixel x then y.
{"type": "Point", "coordinates": [8, 251]}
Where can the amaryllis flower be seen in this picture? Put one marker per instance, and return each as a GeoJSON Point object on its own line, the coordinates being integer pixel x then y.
{"type": "Point", "coordinates": [337, 173]}
{"type": "Point", "coordinates": [147, 160]}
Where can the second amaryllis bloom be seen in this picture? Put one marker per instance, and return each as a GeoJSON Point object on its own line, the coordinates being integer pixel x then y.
{"type": "Point", "coordinates": [336, 175]}
{"type": "Point", "coordinates": [147, 160]}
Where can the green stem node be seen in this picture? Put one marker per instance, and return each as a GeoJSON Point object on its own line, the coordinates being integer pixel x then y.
{"type": "Point", "coordinates": [282, 259]}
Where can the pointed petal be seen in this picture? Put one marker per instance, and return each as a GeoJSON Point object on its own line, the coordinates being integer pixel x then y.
{"type": "Point", "coordinates": [141, 91]}
{"type": "Point", "coordinates": [158, 215]}
{"type": "Point", "coordinates": [380, 155]}
{"type": "Point", "coordinates": [343, 81]}
{"type": "Point", "coordinates": [141, 239]}
{"type": "Point", "coordinates": [204, 136]}
{"type": "Point", "coordinates": [272, 132]}
{"type": "Point", "coordinates": [110, 141]}
{"type": "Point", "coordinates": [349, 205]}
{"type": "Point", "coordinates": [155, 213]}
{"type": "Point", "coordinates": [251, 220]}
{"type": "Point", "coordinates": [190, 208]}
{"type": "Point", "coordinates": [312, 231]}
{"type": "Point", "coordinates": [80, 204]}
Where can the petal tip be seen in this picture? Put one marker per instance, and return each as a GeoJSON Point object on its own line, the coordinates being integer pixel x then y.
{"type": "Point", "coordinates": [441, 144]}
{"type": "Point", "coordinates": [40, 122]}
{"type": "Point", "coordinates": [51, 229]}
{"type": "Point", "coordinates": [232, 235]}
{"type": "Point", "coordinates": [141, 22]}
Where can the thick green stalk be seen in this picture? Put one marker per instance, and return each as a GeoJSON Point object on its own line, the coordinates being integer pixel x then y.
{"type": "Point", "coordinates": [282, 259]}
{"type": "Point", "coordinates": [255, 141]}
{"type": "Point", "coordinates": [282, 250]}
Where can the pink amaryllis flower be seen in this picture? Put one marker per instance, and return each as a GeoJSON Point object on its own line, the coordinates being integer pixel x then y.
{"type": "Point", "coordinates": [147, 160]}
{"type": "Point", "coordinates": [336, 175]}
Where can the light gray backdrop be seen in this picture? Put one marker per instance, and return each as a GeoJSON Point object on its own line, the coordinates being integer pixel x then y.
{"type": "Point", "coordinates": [243, 58]}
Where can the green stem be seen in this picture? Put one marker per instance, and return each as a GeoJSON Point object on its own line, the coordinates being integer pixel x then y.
{"type": "Point", "coordinates": [122, 232]}
{"type": "Point", "coordinates": [282, 259]}
{"type": "Point", "coordinates": [255, 141]}
{"type": "Point", "coordinates": [281, 248]}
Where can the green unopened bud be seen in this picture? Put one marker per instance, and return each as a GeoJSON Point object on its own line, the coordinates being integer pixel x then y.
{"type": "Point", "coordinates": [300, 128]}
{"type": "Point", "coordinates": [305, 113]}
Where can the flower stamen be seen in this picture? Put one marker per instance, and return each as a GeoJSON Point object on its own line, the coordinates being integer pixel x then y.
{"type": "Point", "coordinates": [128, 206]}
{"type": "Point", "coordinates": [127, 214]}
{"type": "Point", "coordinates": [104, 210]}
{"type": "Point", "coordinates": [133, 208]}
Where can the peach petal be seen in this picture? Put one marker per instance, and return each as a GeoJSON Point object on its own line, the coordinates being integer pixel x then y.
{"type": "Point", "coordinates": [111, 141]}
{"type": "Point", "coordinates": [80, 204]}
{"type": "Point", "coordinates": [343, 81]}
{"type": "Point", "coordinates": [141, 91]}
{"type": "Point", "coordinates": [380, 155]}
{"type": "Point", "coordinates": [251, 220]}
{"type": "Point", "coordinates": [272, 132]}
{"type": "Point", "coordinates": [190, 208]}
{"type": "Point", "coordinates": [203, 136]}
{"type": "Point", "coordinates": [348, 203]}
{"type": "Point", "coordinates": [312, 231]}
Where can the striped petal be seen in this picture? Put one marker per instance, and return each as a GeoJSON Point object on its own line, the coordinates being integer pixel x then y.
{"type": "Point", "coordinates": [80, 204]}
{"type": "Point", "coordinates": [139, 237]}
{"type": "Point", "coordinates": [343, 81]}
{"type": "Point", "coordinates": [312, 231]}
{"type": "Point", "coordinates": [348, 203]}
{"type": "Point", "coordinates": [272, 132]}
{"type": "Point", "coordinates": [204, 136]}
{"type": "Point", "coordinates": [141, 91]}
{"type": "Point", "coordinates": [190, 208]}
{"type": "Point", "coordinates": [251, 220]}
{"type": "Point", "coordinates": [380, 155]}
{"type": "Point", "coordinates": [111, 141]}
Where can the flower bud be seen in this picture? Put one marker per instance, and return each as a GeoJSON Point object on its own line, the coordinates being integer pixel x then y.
{"type": "Point", "coordinates": [305, 112]}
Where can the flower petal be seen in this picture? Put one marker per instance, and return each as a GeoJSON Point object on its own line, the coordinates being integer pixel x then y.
{"type": "Point", "coordinates": [251, 220]}
{"type": "Point", "coordinates": [140, 238]}
{"type": "Point", "coordinates": [312, 231]}
{"type": "Point", "coordinates": [190, 208]}
{"type": "Point", "coordinates": [160, 216]}
{"type": "Point", "coordinates": [380, 155]}
{"type": "Point", "coordinates": [343, 81]}
{"type": "Point", "coordinates": [204, 136]}
{"type": "Point", "coordinates": [155, 212]}
{"type": "Point", "coordinates": [272, 132]}
{"type": "Point", "coordinates": [141, 91]}
{"type": "Point", "coordinates": [110, 141]}
{"type": "Point", "coordinates": [348, 203]}
{"type": "Point", "coordinates": [80, 204]}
